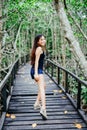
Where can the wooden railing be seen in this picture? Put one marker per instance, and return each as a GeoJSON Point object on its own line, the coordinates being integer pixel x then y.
{"type": "Point", "coordinates": [6, 86]}
{"type": "Point", "coordinates": [57, 73]}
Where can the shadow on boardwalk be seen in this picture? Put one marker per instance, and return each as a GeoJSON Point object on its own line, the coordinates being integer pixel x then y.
{"type": "Point", "coordinates": [61, 114]}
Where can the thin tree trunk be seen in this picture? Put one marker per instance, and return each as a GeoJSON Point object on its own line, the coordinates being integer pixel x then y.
{"type": "Point", "coordinates": [68, 34]}
{"type": "Point", "coordinates": [15, 46]}
{"type": "Point", "coordinates": [0, 30]}
{"type": "Point", "coordinates": [52, 41]}
{"type": "Point", "coordinates": [0, 45]}
{"type": "Point", "coordinates": [78, 26]}
{"type": "Point", "coordinates": [55, 40]}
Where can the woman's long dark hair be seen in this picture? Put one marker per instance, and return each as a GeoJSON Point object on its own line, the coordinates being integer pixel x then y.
{"type": "Point", "coordinates": [35, 45]}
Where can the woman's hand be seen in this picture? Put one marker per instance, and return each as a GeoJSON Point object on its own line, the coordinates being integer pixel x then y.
{"type": "Point", "coordinates": [36, 77]}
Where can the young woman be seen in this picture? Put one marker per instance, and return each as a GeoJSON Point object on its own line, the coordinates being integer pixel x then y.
{"type": "Point", "coordinates": [37, 59]}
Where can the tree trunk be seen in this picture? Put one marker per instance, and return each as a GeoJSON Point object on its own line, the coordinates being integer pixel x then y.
{"type": "Point", "coordinates": [0, 30]}
{"type": "Point", "coordinates": [0, 45]}
{"type": "Point", "coordinates": [69, 36]}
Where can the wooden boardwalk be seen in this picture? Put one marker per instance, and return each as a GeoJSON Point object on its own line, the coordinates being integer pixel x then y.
{"type": "Point", "coordinates": [61, 114]}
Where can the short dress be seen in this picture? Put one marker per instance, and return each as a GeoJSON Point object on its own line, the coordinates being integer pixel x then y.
{"type": "Point", "coordinates": [40, 66]}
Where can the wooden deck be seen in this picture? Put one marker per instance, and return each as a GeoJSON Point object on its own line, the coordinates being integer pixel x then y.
{"type": "Point", "coordinates": [61, 114]}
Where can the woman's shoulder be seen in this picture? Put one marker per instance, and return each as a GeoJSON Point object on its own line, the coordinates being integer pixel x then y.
{"type": "Point", "coordinates": [39, 50]}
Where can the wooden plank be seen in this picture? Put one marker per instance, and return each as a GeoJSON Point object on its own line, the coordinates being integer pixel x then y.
{"type": "Point", "coordinates": [43, 127]}
{"type": "Point", "coordinates": [50, 117]}
{"type": "Point", "coordinates": [2, 120]}
{"type": "Point", "coordinates": [61, 114]}
{"type": "Point", "coordinates": [48, 122]}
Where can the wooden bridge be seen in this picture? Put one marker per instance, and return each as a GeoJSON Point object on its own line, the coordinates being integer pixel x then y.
{"type": "Point", "coordinates": [18, 91]}
{"type": "Point", "coordinates": [18, 114]}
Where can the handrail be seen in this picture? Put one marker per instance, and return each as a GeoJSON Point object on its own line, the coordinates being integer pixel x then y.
{"type": "Point", "coordinates": [6, 87]}
{"type": "Point", "coordinates": [73, 75]}
{"type": "Point", "coordinates": [49, 70]}
{"type": "Point", "coordinates": [5, 91]}
{"type": "Point", "coordinates": [3, 82]}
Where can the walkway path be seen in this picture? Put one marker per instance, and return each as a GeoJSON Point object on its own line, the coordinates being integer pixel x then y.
{"type": "Point", "coordinates": [22, 116]}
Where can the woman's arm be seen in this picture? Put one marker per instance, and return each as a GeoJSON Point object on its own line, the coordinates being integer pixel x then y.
{"type": "Point", "coordinates": [37, 56]}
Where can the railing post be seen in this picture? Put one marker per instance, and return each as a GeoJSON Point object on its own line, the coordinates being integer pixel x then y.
{"type": "Point", "coordinates": [48, 67]}
{"type": "Point", "coordinates": [52, 71]}
{"type": "Point", "coordinates": [58, 75]}
{"type": "Point", "coordinates": [79, 95]}
{"type": "Point", "coordinates": [16, 66]}
{"type": "Point", "coordinates": [4, 98]}
{"type": "Point", "coordinates": [12, 77]}
{"type": "Point", "coordinates": [14, 72]}
{"type": "Point", "coordinates": [24, 59]}
{"type": "Point", "coordinates": [66, 82]}
{"type": "Point", "coordinates": [10, 84]}
{"type": "Point", "coordinates": [0, 103]}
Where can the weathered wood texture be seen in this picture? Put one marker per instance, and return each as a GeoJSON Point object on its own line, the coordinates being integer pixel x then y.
{"type": "Point", "coordinates": [61, 114]}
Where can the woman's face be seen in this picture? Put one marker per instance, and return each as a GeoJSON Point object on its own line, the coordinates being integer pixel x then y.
{"type": "Point", "coordinates": [42, 41]}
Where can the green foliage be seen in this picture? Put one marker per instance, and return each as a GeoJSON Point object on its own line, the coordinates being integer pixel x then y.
{"type": "Point", "coordinates": [84, 95]}
{"type": "Point", "coordinates": [39, 17]}
{"type": "Point", "coordinates": [79, 7]}
{"type": "Point", "coordinates": [26, 11]}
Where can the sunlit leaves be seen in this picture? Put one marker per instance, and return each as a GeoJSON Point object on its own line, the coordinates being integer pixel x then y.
{"type": "Point", "coordinates": [78, 125]}
{"type": "Point", "coordinates": [64, 97]}
{"type": "Point", "coordinates": [7, 115]}
{"type": "Point", "coordinates": [57, 91]}
{"type": "Point", "coordinates": [65, 112]}
{"type": "Point", "coordinates": [12, 116]}
{"type": "Point", "coordinates": [34, 125]}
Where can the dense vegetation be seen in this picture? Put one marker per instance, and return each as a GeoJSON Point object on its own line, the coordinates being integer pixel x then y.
{"type": "Point", "coordinates": [22, 20]}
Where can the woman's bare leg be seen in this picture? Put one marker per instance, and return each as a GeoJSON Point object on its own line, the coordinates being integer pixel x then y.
{"type": "Point", "coordinates": [41, 93]}
{"type": "Point", "coordinates": [41, 96]}
{"type": "Point", "coordinates": [38, 99]}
